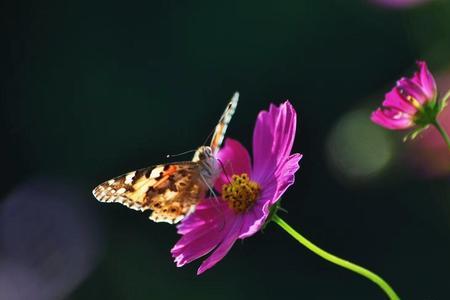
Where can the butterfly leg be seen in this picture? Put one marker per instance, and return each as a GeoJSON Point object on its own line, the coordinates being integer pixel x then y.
{"type": "Point", "coordinates": [224, 170]}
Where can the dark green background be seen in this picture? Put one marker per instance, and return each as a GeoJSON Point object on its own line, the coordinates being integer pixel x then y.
{"type": "Point", "coordinates": [92, 89]}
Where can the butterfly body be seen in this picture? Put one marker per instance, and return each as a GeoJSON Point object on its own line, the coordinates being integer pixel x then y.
{"type": "Point", "coordinates": [209, 166]}
{"type": "Point", "coordinates": [170, 190]}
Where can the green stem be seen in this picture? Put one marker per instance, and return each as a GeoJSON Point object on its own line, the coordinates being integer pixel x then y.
{"type": "Point", "coordinates": [336, 260]}
{"type": "Point", "coordinates": [442, 132]}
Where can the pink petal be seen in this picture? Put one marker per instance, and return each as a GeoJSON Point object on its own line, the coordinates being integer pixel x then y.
{"type": "Point", "coordinates": [394, 99]}
{"type": "Point", "coordinates": [205, 213]}
{"type": "Point", "coordinates": [427, 80]}
{"type": "Point", "coordinates": [285, 175]}
{"type": "Point", "coordinates": [273, 167]}
{"type": "Point", "coordinates": [255, 218]}
{"type": "Point", "coordinates": [193, 246]}
{"type": "Point", "coordinates": [263, 138]}
{"type": "Point", "coordinates": [271, 193]}
{"type": "Point", "coordinates": [202, 231]}
{"type": "Point", "coordinates": [420, 86]}
{"type": "Point", "coordinates": [392, 118]}
{"type": "Point", "coordinates": [273, 138]}
{"type": "Point", "coordinates": [408, 87]}
{"type": "Point", "coordinates": [225, 246]}
{"type": "Point", "coordinates": [235, 160]}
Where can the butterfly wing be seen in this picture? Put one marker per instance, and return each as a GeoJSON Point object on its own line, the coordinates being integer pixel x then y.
{"type": "Point", "coordinates": [171, 191]}
{"type": "Point", "coordinates": [221, 127]}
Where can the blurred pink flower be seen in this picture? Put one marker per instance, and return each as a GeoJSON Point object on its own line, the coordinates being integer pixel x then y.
{"type": "Point", "coordinates": [429, 153]}
{"type": "Point", "coordinates": [399, 3]}
{"type": "Point", "coordinates": [411, 102]}
{"type": "Point", "coordinates": [246, 198]}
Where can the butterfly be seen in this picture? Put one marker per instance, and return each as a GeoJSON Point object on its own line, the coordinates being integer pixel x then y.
{"type": "Point", "coordinates": [171, 191]}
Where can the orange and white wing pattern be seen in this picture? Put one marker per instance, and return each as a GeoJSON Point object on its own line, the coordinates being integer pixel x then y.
{"type": "Point", "coordinates": [221, 127]}
{"type": "Point", "coordinates": [171, 191]}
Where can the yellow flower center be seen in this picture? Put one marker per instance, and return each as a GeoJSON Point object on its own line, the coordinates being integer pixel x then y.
{"type": "Point", "coordinates": [241, 193]}
{"type": "Point", "coordinates": [414, 102]}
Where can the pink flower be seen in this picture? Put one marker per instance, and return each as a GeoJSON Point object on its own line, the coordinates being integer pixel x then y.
{"type": "Point", "coordinates": [399, 3]}
{"type": "Point", "coordinates": [248, 191]}
{"type": "Point", "coordinates": [412, 102]}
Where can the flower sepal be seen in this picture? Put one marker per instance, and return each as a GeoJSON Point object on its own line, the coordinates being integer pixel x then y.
{"type": "Point", "coordinates": [413, 134]}
{"type": "Point", "coordinates": [423, 119]}
{"type": "Point", "coordinates": [443, 102]}
{"type": "Point", "coordinates": [273, 212]}
{"type": "Point", "coordinates": [427, 116]}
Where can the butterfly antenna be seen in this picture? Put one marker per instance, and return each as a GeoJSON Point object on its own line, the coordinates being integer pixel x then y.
{"type": "Point", "coordinates": [211, 132]}
{"type": "Point", "coordinates": [209, 136]}
{"type": "Point", "coordinates": [179, 154]}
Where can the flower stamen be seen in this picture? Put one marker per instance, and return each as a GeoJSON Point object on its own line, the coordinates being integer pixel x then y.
{"type": "Point", "coordinates": [413, 101]}
{"type": "Point", "coordinates": [241, 193]}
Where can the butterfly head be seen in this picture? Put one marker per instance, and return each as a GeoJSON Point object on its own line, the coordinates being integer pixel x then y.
{"type": "Point", "coordinates": [203, 153]}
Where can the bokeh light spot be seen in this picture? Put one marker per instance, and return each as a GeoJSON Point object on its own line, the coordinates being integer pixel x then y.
{"type": "Point", "coordinates": [399, 3]}
{"type": "Point", "coordinates": [50, 240]}
{"type": "Point", "coordinates": [358, 149]}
